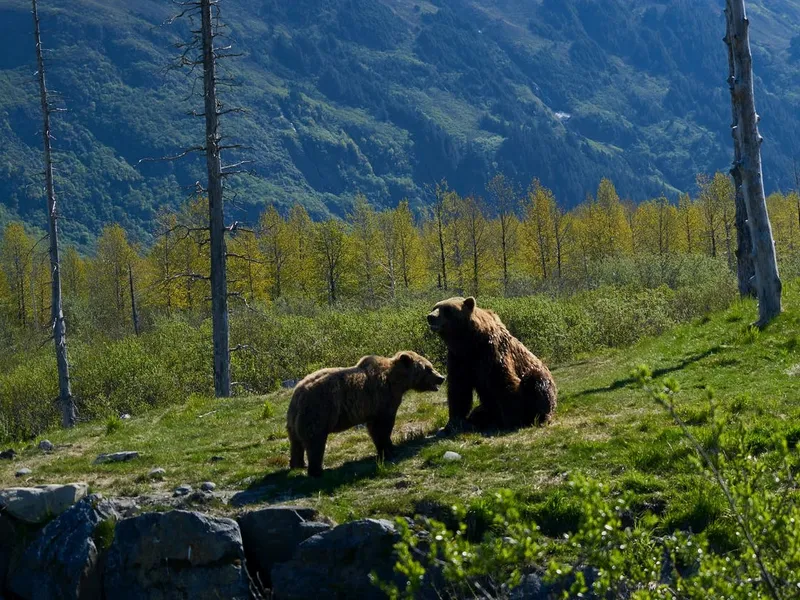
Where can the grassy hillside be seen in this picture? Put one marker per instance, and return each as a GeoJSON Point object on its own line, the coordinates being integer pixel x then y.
{"type": "Point", "coordinates": [605, 428]}
{"type": "Point", "coordinates": [387, 97]}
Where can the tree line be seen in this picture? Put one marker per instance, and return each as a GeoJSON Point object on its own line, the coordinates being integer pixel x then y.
{"type": "Point", "coordinates": [508, 242]}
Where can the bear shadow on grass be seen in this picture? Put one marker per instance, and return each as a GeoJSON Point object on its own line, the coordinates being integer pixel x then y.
{"type": "Point", "coordinates": [286, 485]}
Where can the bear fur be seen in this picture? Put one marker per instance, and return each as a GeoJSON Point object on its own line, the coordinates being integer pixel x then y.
{"type": "Point", "coordinates": [332, 400]}
{"type": "Point", "coordinates": [515, 389]}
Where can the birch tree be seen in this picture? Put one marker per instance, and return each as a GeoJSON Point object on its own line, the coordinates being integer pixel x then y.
{"type": "Point", "coordinates": [407, 243]}
{"type": "Point", "coordinates": [504, 198]}
{"type": "Point", "coordinates": [329, 248]}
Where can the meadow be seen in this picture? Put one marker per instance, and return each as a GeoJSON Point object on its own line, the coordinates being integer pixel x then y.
{"type": "Point", "coordinates": [606, 428]}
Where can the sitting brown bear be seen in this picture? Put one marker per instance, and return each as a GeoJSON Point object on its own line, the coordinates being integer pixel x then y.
{"type": "Point", "coordinates": [515, 388]}
{"type": "Point", "coordinates": [332, 400]}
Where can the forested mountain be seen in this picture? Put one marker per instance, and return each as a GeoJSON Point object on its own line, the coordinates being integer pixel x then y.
{"type": "Point", "coordinates": [386, 97]}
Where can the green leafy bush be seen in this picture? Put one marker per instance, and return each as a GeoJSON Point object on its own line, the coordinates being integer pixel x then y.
{"type": "Point", "coordinates": [172, 358]}
{"type": "Point", "coordinates": [619, 551]}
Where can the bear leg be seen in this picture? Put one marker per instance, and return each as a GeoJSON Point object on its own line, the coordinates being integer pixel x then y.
{"type": "Point", "coordinates": [483, 418]}
{"type": "Point", "coordinates": [297, 458]}
{"type": "Point", "coordinates": [459, 400]}
{"type": "Point", "coordinates": [316, 451]}
{"type": "Point", "coordinates": [380, 430]}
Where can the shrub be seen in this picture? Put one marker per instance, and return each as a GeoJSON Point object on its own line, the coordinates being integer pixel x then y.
{"type": "Point", "coordinates": [616, 552]}
{"type": "Point", "coordinates": [172, 359]}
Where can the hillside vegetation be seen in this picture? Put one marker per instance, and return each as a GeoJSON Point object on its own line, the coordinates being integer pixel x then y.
{"type": "Point", "coordinates": [388, 97]}
{"type": "Point", "coordinates": [605, 428]}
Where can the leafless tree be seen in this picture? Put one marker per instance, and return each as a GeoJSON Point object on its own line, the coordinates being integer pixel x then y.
{"type": "Point", "coordinates": [57, 321]}
{"type": "Point", "coordinates": [440, 214]}
{"type": "Point", "coordinates": [745, 267]}
{"type": "Point", "coordinates": [203, 52]}
{"type": "Point", "coordinates": [134, 312]}
{"type": "Point", "coordinates": [748, 162]}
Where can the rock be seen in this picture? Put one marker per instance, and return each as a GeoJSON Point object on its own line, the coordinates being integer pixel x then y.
{"type": "Point", "coordinates": [46, 446]}
{"type": "Point", "coordinates": [8, 454]}
{"type": "Point", "coordinates": [289, 383]}
{"type": "Point", "coordinates": [115, 457]}
{"type": "Point", "coordinates": [125, 417]}
{"type": "Point", "coordinates": [126, 507]}
{"type": "Point", "coordinates": [183, 490]}
{"type": "Point", "coordinates": [451, 456]}
{"type": "Point", "coordinates": [208, 486]}
{"type": "Point", "coordinates": [178, 554]}
{"type": "Point", "coordinates": [8, 538]}
{"type": "Point", "coordinates": [62, 561]}
{"type": "Point", "coordinates": [214, 459]}
{"type": "Point", "coordinates": [272, 535]}
{"type": "Point", "coordinates": [38, 504]}
{"type": "Point", "coordinates": [23, 472]}
{"type": "Point", "coordinates": [337, 563]}
{"type": "Point", "coordinates": [157, 473]}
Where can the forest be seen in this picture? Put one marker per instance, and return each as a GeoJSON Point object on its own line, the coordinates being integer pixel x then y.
{"type": "Point", "coordinates": [330, 111]}
{"type": "Point", "coordinates": [509, 243]}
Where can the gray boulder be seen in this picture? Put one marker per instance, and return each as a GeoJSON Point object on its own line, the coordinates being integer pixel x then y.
{"type": "Point", "coordinates": [116, 457]}
{"type": "Point", "coordinates": [46, 446]}
{"type": "Point", "coordinates": [38, 504]}
{"type": "Point", "coordinates": [157, 473]}
{"type": "Point", "coordinates": [177, 554]}
{"type": "Point", "coordinates": [337, 563]}
{"type": "Point", "coordinates": [272, 535]}
{"type": "Point", "coordinates": [182, 490]}
{"type": "Point", "coordinates": [62, 562]}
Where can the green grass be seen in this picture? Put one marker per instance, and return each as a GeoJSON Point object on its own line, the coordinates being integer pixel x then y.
{"type": "Point", "coordinates": [605, 428]}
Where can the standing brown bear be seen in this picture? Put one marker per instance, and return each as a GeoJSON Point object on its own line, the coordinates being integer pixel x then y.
{"type": "Point", "coordinates": [332, 400]}
{"type": "Point", "coordinates": [515, 388]}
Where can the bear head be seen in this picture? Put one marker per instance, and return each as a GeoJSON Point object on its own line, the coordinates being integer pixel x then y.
{"type": "Point", "coordinates": [416, 372]}
{"type": "Point", "coordinates": [450, 318]}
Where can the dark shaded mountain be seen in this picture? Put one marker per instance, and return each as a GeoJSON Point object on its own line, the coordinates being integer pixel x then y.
{"type": "Point", "coordinates": [386, 97]}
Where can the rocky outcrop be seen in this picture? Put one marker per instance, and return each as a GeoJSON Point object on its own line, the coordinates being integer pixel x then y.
{"type": "Point", "coordinates": [177, 554]}
{"type": "Point", "coordinates": [8, 537]}
{"type": "Point", "coordinates": [56, 542]}
{"type": "Point", "coordinates": [337, 564]}
{"type": "Point", "coordinates": [39, 504]}
{"type": "Point", "coordinates": [62, 562]}
{"type": "Point", "coordinates": [272, 535]}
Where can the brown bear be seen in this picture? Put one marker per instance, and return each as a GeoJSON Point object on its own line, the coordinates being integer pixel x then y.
{"type": "Point", "coordinates": [515, 389]}
{"type": "Point", "coordinates": [332, 400]}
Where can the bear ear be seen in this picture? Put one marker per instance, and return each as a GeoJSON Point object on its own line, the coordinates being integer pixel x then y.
{"type": "Point", "coordinates": [406, 359]}
{"type": "Point", "coordinates": [469, 304]}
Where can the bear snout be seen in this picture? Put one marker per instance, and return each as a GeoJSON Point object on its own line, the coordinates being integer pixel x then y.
{"type": "Point", "coordinates": [433, 320]}
{"type": "Point", "coordinates": [435, 380]}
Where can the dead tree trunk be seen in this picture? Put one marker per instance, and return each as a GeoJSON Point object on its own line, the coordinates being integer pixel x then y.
{"type": "Point", "coordinates": [134, 312]}
{"type": "Point", "coordinates": [216, 221]}
{"type": "Point", "coordinates": [57, 321]}
{"type": "Point", "coordinates": [745, 131]}
{"type": "Point", "coordinates": [745, 268]}
{"type": "Point", "coordinates": [439, 210]}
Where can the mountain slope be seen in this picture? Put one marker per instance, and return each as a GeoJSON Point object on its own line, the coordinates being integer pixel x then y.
{"type": "Point", "coordinates": [387, 97]}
